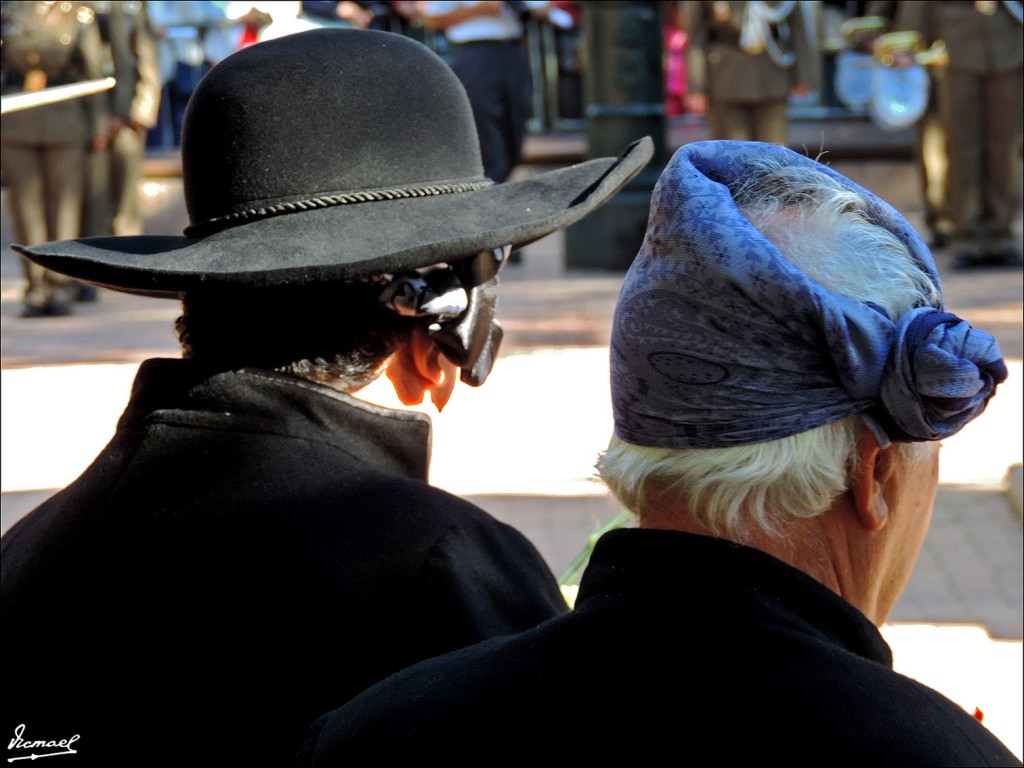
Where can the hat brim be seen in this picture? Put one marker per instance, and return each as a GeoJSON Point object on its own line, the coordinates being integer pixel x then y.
{"type": "Point", "coordinates": [347, 241]}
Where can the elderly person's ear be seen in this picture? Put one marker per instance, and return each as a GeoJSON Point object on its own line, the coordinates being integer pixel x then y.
{"type": "Point", "coordinates": [419, 367]}
{"type": "Point", "coordinates": [874, 469]}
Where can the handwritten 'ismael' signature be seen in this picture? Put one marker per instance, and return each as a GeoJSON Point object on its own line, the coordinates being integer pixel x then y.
{"type": "Point", "coordinates": [18, 742]}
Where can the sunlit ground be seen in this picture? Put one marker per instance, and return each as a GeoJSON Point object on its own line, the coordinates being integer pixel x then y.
{"type": "Point", "coordinates": [536, 428]}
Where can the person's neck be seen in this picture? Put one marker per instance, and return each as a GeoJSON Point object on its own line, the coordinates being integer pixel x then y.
{"type": "Point", "coordinates": [820, 546]}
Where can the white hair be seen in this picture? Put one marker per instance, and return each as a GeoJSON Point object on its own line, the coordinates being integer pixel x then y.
{"type": "Point", "coordinates": [821, 226]}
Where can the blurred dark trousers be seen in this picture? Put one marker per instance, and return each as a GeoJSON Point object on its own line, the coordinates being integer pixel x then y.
{"type": "Point", "coordinates": [496, 75]}
{"type": "Point", "coordinates": [173, 100]}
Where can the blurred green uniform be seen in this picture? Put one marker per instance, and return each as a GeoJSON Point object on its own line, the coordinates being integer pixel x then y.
{"type": "Point", "coordinates": [44, 148]}
{"type": "Point", "coordinates": [115, 173]}
{"type": "Point", "coordinates": [747, 65]}
{"type": "Point", "coordinates": [979, 96]}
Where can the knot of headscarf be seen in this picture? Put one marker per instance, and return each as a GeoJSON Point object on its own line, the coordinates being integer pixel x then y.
{"type": "Point", "coordinates": [718, 340]}
{"type": "Point", "coordinates": [940, 374]}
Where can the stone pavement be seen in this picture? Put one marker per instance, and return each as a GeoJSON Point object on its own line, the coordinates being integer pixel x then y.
{"type": "Point", "coordinates": [65, 381]}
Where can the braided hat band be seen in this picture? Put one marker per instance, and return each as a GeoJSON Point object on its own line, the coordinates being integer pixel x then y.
{"type": "Point", "coordinates": [718, 340]}
{"type": "Point", "coordinates": [328, 200]}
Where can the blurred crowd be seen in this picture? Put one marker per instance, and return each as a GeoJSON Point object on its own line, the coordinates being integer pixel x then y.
{"type": "Point", "coordinates": [950, 71]}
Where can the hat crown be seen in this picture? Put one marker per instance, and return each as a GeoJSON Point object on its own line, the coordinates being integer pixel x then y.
{"type": "Point", "coordinates": [324, 112]}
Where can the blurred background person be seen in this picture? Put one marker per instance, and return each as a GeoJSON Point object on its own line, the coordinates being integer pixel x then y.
{"type": "Point", "coordinates": [744, 62]}
{"type": "Point", "coordinates": [567, 24]}
{"type": "Point", "coordinates": [489, 57]}
{"type": "Point", "coordinates": [266, 20]}
{"type": "Point", "coordinates": [252, 21]}
{"type": "Point", "coordinates": [192, 37]}
{"type": "Point", "coordinates": [287, 18]}
{"type": "Point", "coordinates": [782, 371]}
{"type": "Point", "coordinates": [979, 99]}
{"type": "Point", "coordinates": [115, 173]}
{"type": "Point", "coordinates": [675, 40]}
{"type": "Point", "coordinates": [354, 14]}
{"type": "Point", "coordinates": [394, 17]}
{"type": "Point", "coordinates": [930, 151]}
{"type": "Point", "coordinates": [44, 148]}
{"type": "Point", "coordinates": [490, 60]}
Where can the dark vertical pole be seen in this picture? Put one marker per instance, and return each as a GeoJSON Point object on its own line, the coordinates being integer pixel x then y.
{"type": "Point", "coordinates": [624, 95]}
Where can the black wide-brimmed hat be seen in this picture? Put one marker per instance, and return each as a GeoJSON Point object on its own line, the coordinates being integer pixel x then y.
{"type": "Point", "coordinates": [328, 155]}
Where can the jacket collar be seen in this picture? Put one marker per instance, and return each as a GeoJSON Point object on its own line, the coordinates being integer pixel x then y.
{"type": "Point", "coordinates": [718, 579]}
{"type": "Point", "coordinates": [273, 403]}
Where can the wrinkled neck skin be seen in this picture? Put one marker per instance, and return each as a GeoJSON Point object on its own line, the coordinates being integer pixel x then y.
{"type": "Point", "coordinates": [834, 548]}
{"type": "Point", "coordinates": [806, 545]}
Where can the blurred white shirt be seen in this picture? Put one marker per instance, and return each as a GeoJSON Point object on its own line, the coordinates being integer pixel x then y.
{"type": "Point", "coordinates": [507, 26]}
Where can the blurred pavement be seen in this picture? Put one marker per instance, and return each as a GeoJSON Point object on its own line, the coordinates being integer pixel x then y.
{"type": "Point", "coordinates": [546, 414]}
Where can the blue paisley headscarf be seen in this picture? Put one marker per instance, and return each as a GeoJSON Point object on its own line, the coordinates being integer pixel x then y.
{"type": "Point", "coordinates": [718, 340]}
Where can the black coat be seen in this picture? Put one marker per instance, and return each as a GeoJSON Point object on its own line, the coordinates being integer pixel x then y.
{"type": "Point", "coordinates": [682, 650]}
{"type": "Point", "coordinates": [248, 552]}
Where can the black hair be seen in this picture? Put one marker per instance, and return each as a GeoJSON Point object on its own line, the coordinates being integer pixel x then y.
{"type": "Point", "coordinates": [336, 334]}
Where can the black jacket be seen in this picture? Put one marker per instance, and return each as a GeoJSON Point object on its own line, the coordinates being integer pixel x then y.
{"type": "Point", "coordinates": [248, 552]}
{"type": "Point", "coordinates": [682, 650]}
